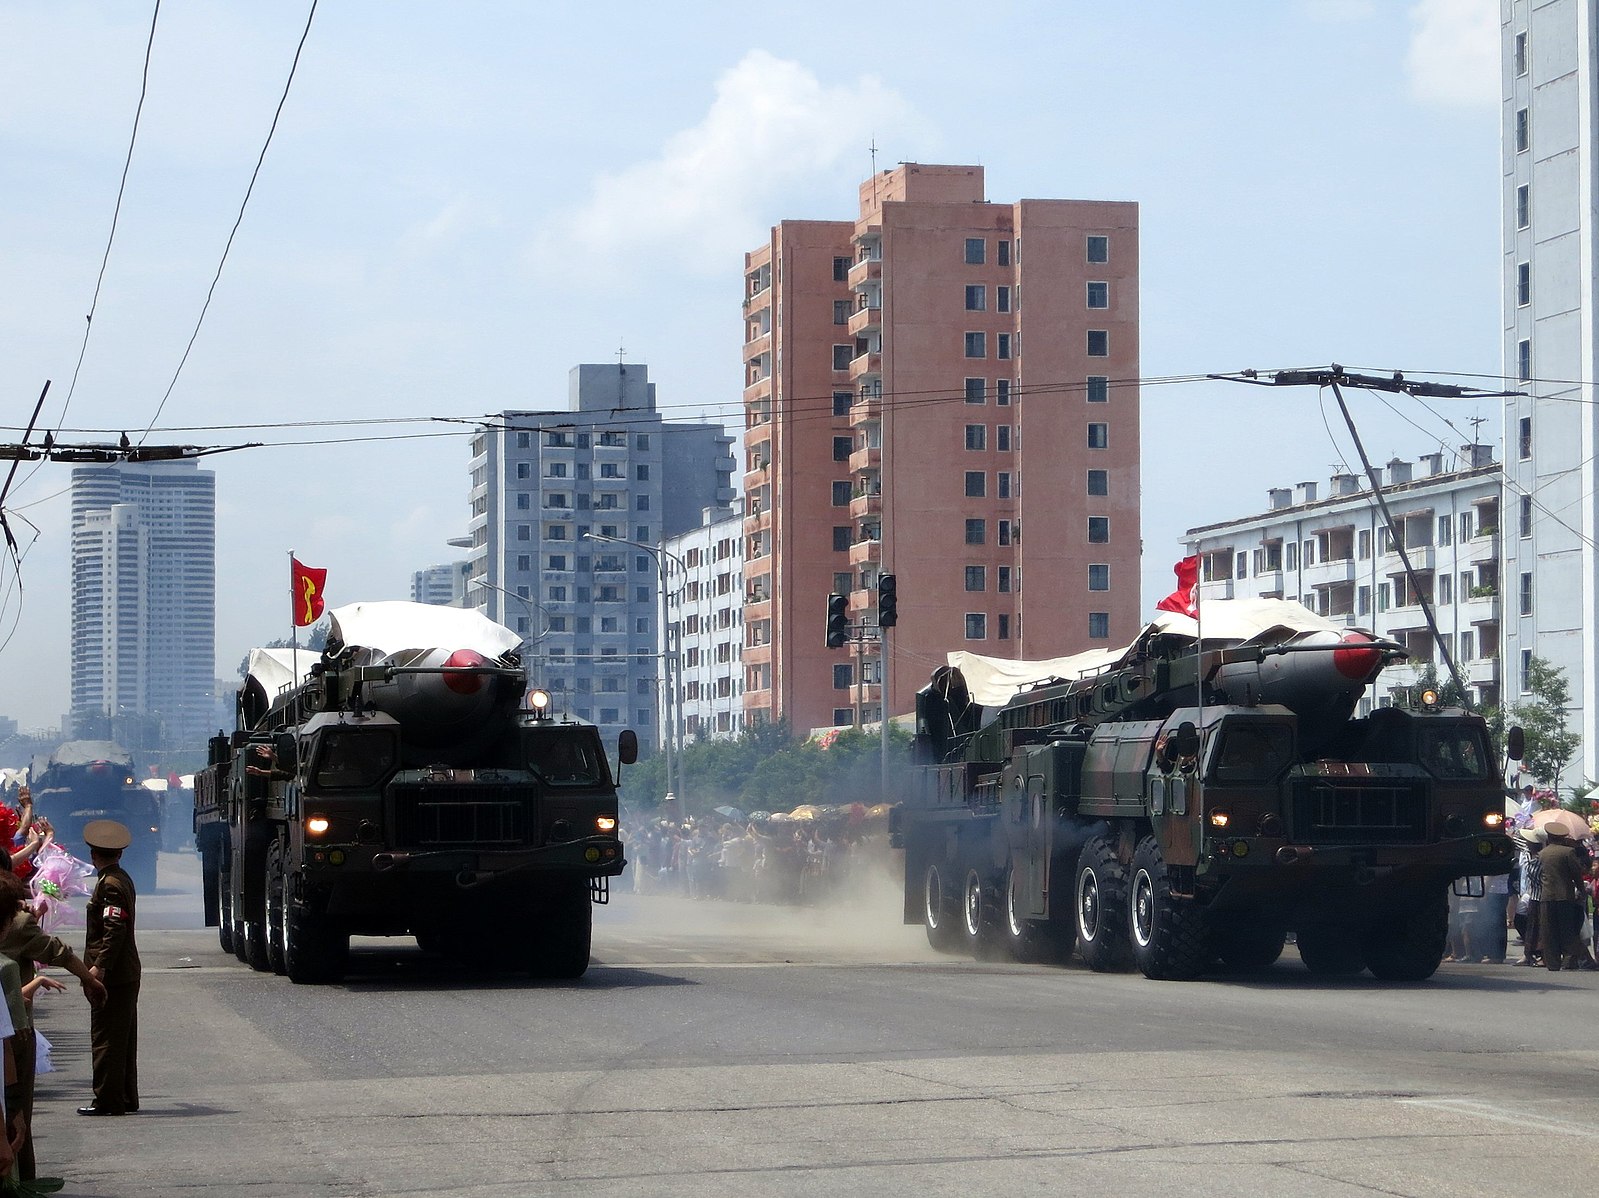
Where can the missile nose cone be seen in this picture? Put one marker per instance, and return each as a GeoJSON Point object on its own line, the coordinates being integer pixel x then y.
{"type": "Point", "coordinates": [1360, 659]}
{"type": "Point", "coordinates": [469, 684]}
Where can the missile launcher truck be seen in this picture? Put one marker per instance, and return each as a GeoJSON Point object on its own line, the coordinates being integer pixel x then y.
{"type": "Point", "coordinates": [399, 786]}
{"type": "Point", "coordinates": [1180, 802]}
{"type": "Point", "coordinates": [85, 780]}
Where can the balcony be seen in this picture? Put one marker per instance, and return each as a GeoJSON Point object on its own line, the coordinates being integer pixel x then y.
{"type": "Point", "coordinates": [757, 345]}
{"type": "Point", "coordinates": [865, 366]}
{"type": "Point", "coordinates": [1422, 557]}
{"type": "Point", "coordinates": [865, 320]}
{"type": "Point", "coordinates": [865, 270]}
{"type": "Point", "coordinates": [1484, 547]}
{"type": "Point", "coordinates": [863, 553]}
{"type": "Point", "coordinates": [1220, 588]}
{"type": "Point", "coordinates": [869, 458]}
{"type": "Point", "coordinates": [869, 504]}
{"type": "Point", "coordinates": [1480, 605]}
{"type": "Point", "coordinates": [1483, 672]}
{"type": "Point", "coordinates": [1324, 574]}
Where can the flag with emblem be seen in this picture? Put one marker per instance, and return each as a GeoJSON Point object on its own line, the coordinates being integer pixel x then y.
{"type": "Point", "coordinates": [1185, 599]}
{"type": "Point", "coordinates": [306, 584]}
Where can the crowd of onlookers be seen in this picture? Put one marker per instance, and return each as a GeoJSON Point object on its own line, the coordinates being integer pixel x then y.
{"type": "Point", "coordinates": [1547, 900]}
{"type": "Point", "coordinates": [774, 861]}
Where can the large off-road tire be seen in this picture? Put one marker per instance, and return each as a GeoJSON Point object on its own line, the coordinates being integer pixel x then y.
{"type": "Point", "coordinates": [1407, 945]}
{"type": "Point", "coordinates": [1332, 950]}
{"type": "Point", "coordinates": [560, 947]}
{"type": "Point", "coordinates": [276, 910]}
{"type": "Point", "coordinates": [1167, 934]}
{"type": "Point", "coordinates": [1248, 948]}
{"type": "Point", "coordinates": [939, 910]}
{"type": "Point", "coordinates": [1101, 907]}
{"type": "Point", "coordinates": [976, 915]}
{"type": "Point", "coordinates": [1024, 939]}
{"type": "Point", "coordinates": [313, 952]}
{"type": "Point", "coordinates": [224, 910]}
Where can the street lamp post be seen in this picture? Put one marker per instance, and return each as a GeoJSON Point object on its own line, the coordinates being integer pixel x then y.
{"type": "Point", "coordinates": [530, 604]}
{"type": "Point", "coordinates": [672, 733]}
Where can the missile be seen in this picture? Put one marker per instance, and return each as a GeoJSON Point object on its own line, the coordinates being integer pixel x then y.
{"type": "Point", "coordinates": [1316, 673]}
{"type": "Point", "coordinates": [436, 709]}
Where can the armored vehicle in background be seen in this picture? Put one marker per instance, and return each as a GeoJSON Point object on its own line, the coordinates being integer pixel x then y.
{"type": "Point", "coordinates": [397, 786]}
{"type": "Point", "coordinates": [86, 780]}
{"type": "Point", "coordinates": [1179, 802]}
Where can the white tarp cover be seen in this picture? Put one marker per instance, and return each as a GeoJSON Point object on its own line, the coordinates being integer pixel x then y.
{"type": "Point", "coordinates": [993, 681]}
{"type": "Point", "coordinates": [274, 668]}
{"type": "Point", "coordinates": [393, 625]}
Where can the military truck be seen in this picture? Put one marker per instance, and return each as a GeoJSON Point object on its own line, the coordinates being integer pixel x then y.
{"type": "Point", "coordinates": [85, 780]}
{"type": "Point", "coordinates": [397, 784]}
{"type": "Point", "coordinates": [1180, 802]}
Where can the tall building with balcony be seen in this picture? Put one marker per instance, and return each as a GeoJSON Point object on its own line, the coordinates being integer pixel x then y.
{"type": "Point", "coordinates": [144, 605]}
{"type": "Point", "coordinates": [569, 509]}
{"type": "Point", "coordinates": [1549, 71]}
{"type": "Point", "coordinates": [943, 389]}
{"type": "Point", "coordinates": [705, 598]}
{"type": "Point", "coordinates": [1335, 555]}
{"type": "Point", "coordinates": [443, 585]}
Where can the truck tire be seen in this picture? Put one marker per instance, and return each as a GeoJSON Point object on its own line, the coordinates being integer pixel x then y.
{"type": "Point", "coordinates": [1248, 947]}
{"type": "Point", "coordinates": [938, 910]}
{"type": "Point", "coordinates": [561, 946]}
{"type": "Point", "coordinates": [976, 915]}
{"type": "Point", "coordinates": [1168, 935]}
{"type": "Point", "coordinates": [1332, 950]}
{"type": "Point", "coordinates": [1409, 945]}
{"type": "Point", "coordinates": [313, 953]}
{"type": "Point", "coordinates": [224, 909]}
{"type": "Point", "coordinates": [275, 919]}
{"type": "Point", "coordinates": [1101, 907]}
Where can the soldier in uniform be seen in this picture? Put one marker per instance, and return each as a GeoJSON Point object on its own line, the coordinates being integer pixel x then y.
{"type": "Point", "coordinates": [112, 958]}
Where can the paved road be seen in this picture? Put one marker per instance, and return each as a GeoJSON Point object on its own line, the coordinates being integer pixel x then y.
{"type": "Point", "coordinates": [724, 1049]}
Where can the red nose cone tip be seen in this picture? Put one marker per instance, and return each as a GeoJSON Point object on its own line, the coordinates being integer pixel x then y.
{"type": "Point", "coordinates": [1360, 660]}
{"type": "Point", "coordinates": [464, 684]}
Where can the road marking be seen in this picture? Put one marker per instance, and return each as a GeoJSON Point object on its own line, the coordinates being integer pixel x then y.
{"type": "Point", "coordinates": [1523, 1120]}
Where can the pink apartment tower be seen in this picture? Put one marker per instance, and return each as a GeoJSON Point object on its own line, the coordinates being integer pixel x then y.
{"type": "Point", "coordinates": [945, 390]}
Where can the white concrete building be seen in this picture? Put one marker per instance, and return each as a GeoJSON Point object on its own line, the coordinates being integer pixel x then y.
{"type": "Point", "coordinates": [1334, 554]}
{"type": "Point", "coordinates": [443, 585]}
{"type": "Point", "coordinates": [1551, 351]}
{"type": "Point", "coordinates": [705, 600]}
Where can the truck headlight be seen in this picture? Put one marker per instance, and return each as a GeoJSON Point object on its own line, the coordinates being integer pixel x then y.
{"type": "Point", "coordinates": [317, 825]}
{"type": "Point", "coordinates": [605, 823]}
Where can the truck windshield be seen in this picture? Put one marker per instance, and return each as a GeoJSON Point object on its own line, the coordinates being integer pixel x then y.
{"type": "Point", "coordinates": [1453, 751]}
{"type": "Point", "coordinates": [353, 760]}
{"type": "Point", "coordinates": [1253, 752]}
{"type": "Point", "coordinates": [568, 758]}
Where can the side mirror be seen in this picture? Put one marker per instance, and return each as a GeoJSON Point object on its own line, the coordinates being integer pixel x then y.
{"type": "Point", "coordinates": [627, 746]}
{"type": "Point", "coordinates": [1515, 743]}
{"type": "Point", "coordinates": [1186, 739]}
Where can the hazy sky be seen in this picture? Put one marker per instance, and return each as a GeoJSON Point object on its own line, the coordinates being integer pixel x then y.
{"type": "Point", "coordinates": [464, 200]}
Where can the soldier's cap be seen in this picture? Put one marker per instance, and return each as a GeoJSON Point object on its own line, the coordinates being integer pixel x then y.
{"type": "Point", "coordinates": [107, 834]}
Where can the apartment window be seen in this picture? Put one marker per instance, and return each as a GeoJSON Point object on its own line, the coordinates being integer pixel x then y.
{"type": "Point", "coordinates": [1002, 297]}
{"type": "Point", "coordinates": [641, 504]}
{"type": "Point", "coordinates": [843, 676]}
{"type": "Point", "coordinates": [1524, 360]}
{"type": "Point", "coordinates": [1523, 130]}
{"type": "Point", "coordinates": [1526, 669]}
{"type": "Point", "coordinates": [841, 448]}
{"type": "Point", "coordinates": [1524, 438]}
{"type": "Point", "coordinates": [843, 583]}
{"type": "Point", "coordinates": [975, 251]}
{"type": "Point", "coordinates": [1310, 553]}
{"type": "Point", "coordinates": [1525, 516]}
{"type": "Point", "coordinates": [1521, 54]}
{"type": "Point", "coordinates": [976, 345]}
{"type": "Point", "coordinates": [841, 539]}
{"type": "Point", "coordinates": [1523, 206]}
{"type": "Point", "coordinates": [524, 532]}
{"type": "Point", "coordinates": [1098, 343]}
{"type": "Point", "coordinates": [1446, 588]}
{"type": "Point", "coordinates": [1003, 484]}
{"type": "Point", "coordinates": [1002, 392]}
{"type": "Point", "coordinates": [524, 501]}
{"type": "Point", "coordinates": [977, 436]}
{"type": "Point", "coordinates": [1446, 526]}
{"type": "Point", "coordinates": [1002, 346]}
{"type": "Point", "coordinates": [523, 441]}
{"type": "Point", "coordinates": [841, 493]}
{"type": "Point", "coordinates": [842, 401]}
{"type": "Point", "coordinates": [1468, 646]}
{"type": "Point", "coordinates": [1098, 435]}
{"type": "Point", "coordinates": [1099, 577]}
{"type": "Point", "coordinates": [976, 626]}
{"type": "Point", "coordinates": [641, 474]}
{"type": "Point", "coordinates": [1291, 556]}
{"type": "Point", "coordinates": [976, 578]}
{"type": "Point", "coordinates": [1002, 253]}
{"type": "Point", "coordinates": [1098, 389]}
{"type": "Point", "coordinates": [977, 532]}
{"type": "Point", "coordinates": [842, 355]}
{"type": "Point", "coordinates": [1003, 530]}
{"type": "Point", "coordinates": [1099, 295]}
{"type": "Point", "coordinates": [1002, 631]}
{"type": "Point", "coordinates": [1099, 249]}
{"type": "Point", "coordinates": [524, 561]}
{"type": "Point", "coordinates": [1002, 579]}
{"type": "Point", "coordinates": [843, 717]}
{"type": "Point", "coordinates": [976, 484]}
{"type": "Point", "coordinates": [1382, 597]}
{"type": "Point", "coordinates": [1099, 530]}
{"type": "Point", "coordinates": [1465, 526]}
{"type": "Point", "coordinates": [841, 311]}
{"type": "Point", "coordinates": [1002, 438]}
{"type": "Point", "coordinates": [1099, 482]}
{"type": "Point", "coordinates": [976, 298]}
{"type": "Point", "coordinates": [524, 470]}
{"type": "Point", "coordinates": [1385, 540]}
{"type": "Point", "coordinates": [1526, 592]}
{"type": "Point", "coordinates": [1363, 601]}
{"type": "Point", "coordinates": [976, 390]}
{"type": "Point", "coordinates": [1363, 544]}
{"type": "Point", "coordinates": [1098, 625]}
{"type": "Point", "coordinates": [840, 270]}
{"type": "Point", "coordinates": [1523, 284]}
{"type": "Point", "coordinates": [557, 562]}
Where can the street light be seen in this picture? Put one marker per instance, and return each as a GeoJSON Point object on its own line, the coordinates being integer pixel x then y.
{"type": "Point", "coordinates": [530, 604]}
{"type": "Point", "coordinates": [672, 734]}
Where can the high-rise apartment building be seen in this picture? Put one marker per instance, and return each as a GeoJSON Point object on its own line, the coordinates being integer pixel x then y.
{"type": "Point", "coordinates": [144, 604]}
{"type": "Point", "coordinates": [443, 585]}
{"type": "Point", "coordinates": [705, 598]}
{"type": "Point", "coordinates": [569, 507]}
{"type": "Point", "coordinates": [944, 389]}
{"type": "Point", "coordinates": [1551, 346]}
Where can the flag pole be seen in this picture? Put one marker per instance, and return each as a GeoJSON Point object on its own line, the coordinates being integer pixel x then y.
{"type": "Point", "coordinates": [294, 628]}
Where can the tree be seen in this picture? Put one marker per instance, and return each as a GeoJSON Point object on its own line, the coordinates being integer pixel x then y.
{"type": "Point", "coordinates": [1542, 717]}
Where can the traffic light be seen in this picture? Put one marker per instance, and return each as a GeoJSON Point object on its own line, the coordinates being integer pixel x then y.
{"type": "Point", "coordinates": [887, 601]}
{"type": "Point", "coordinates": [837, 621]}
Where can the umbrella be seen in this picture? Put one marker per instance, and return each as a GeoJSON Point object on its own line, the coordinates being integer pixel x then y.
{"type": "Point", "coordinates": [807, 811]}
{"type": "Point", "coordinates": [1569, 822]}
{"type": "Point", "coordinates": [731, 814]}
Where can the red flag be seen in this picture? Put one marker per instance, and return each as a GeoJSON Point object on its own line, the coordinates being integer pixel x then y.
{"type": "Point", "coordinates": [306, 597]}
{"type": "Point", "coordinates": [1185, 598]}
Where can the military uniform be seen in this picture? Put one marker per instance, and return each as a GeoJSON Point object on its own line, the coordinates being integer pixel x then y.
{"type": "Point", "coordinates": [109, 947]}
{"type": "Point", "coordinates": [26, 943]}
